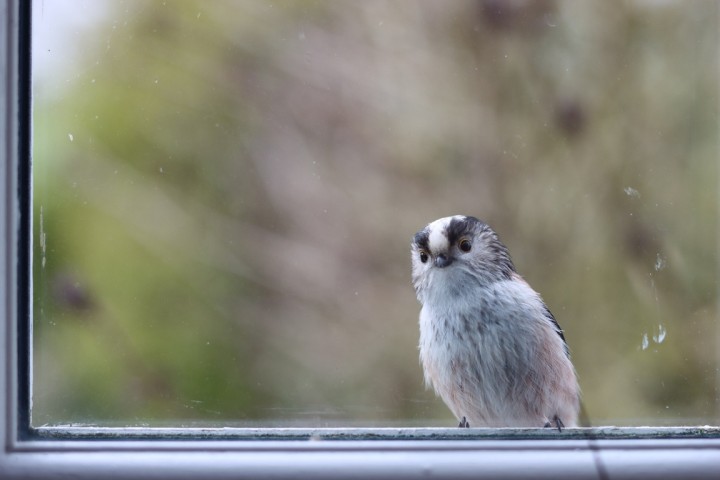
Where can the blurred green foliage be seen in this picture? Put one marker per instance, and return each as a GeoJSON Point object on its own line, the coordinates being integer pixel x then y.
{"type": "Point", "coordinates": [225, 194]}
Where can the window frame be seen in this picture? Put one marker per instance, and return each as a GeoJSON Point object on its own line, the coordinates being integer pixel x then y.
{"type": "Point", "coordinates": [216, 453]}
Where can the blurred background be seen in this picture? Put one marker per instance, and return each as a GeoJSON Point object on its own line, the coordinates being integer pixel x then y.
{"type": "Point", "coordinates": [225, 193]}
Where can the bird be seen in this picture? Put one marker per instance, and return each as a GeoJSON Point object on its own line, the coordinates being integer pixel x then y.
{"type": "Point", "coordinates": [489, 345]}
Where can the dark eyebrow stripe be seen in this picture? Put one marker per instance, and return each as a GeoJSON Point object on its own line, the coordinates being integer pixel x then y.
{"type": "Point", "coordinates": [457, 228]}
{"type": "Point", "coordinates": [422, 238]}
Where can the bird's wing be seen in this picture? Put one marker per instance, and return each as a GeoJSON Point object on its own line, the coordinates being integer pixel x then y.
{"type": "Point", "coordinates": [558, 329]}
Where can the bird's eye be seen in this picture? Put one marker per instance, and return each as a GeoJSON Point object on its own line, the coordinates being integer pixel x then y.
{"type": "Point", "coordinates": [465, 245]}
{"type": "Point", "coordinates": [423, 257]}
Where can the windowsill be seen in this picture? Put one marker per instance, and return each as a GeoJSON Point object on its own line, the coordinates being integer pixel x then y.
{"type": "Point", "coordinates": [377, 434]}
{"type": "Point", "coordinates": [215, 453]}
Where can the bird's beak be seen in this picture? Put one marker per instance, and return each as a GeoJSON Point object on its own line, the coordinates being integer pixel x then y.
{"type": "Point", "coordinates": [442, 260]}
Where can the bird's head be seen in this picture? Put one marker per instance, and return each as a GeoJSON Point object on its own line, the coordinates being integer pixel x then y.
{"type": "Point", "coordinates": [455, 253]}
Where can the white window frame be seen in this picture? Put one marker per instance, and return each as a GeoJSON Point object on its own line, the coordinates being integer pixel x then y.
{"type": "Point", "coordinates": [120, 453]}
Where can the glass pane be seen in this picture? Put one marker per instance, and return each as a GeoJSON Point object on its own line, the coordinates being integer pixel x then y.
{"type": "Point", "coordinates": [225, 194]}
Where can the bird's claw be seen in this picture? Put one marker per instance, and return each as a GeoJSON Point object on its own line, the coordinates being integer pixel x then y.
{"type": "Point", "coordinates": [558, 423]}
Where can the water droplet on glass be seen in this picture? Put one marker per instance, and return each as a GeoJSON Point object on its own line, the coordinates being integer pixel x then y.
{"type": "Point", "coordinates": [645, 341]}
{"type": "Point", "coordinates": [659, 337]}
{"type": "Point", "coordinates": [70, 136]}
{"type": "Point", "coordinates": [43, 238]}
{"type": "Point", "coordinates": [631, 192]}
{"type": "Point", "coordinates": [659, 263]}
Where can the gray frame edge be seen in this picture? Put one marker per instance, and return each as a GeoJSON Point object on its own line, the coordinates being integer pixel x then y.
{"type": "Point", "coordinates": [9, 136]}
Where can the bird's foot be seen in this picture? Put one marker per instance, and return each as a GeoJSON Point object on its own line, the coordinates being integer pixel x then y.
{"type": "Point", "coordinates": [558, 423]}
{"type": "Point", "coordinates": [464, 423]}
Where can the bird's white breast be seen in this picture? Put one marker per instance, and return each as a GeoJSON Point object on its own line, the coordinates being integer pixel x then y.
{"type": "Point", "coordinates": [474, 351]}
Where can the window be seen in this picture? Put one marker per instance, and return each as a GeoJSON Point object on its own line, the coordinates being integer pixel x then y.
{"type": "Point", "coordinates": [223, 196]}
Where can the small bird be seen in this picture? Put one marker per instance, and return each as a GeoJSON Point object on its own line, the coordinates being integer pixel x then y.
{"type": "Point", "coordinates": [489, 345]}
